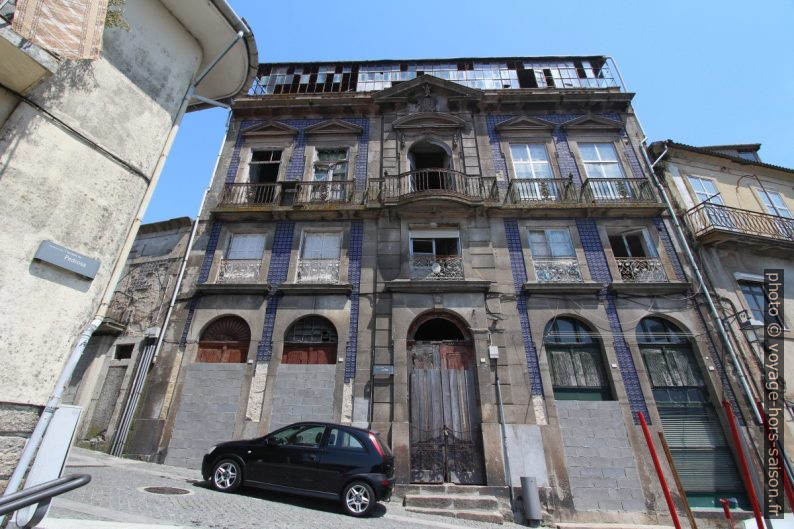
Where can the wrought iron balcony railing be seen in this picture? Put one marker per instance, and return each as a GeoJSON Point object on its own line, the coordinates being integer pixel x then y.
{"type": "Point", "coordinates": [706, 217]}
{"type": "Point", "coordinates": [641, 270]}
{"type": "Point", "coordinates": [340, 191]}
{"type": "Point", "coordinates": [287, 194]}
{"type": "Point", "coordinates": [436, 267]}
{"type": "Point", "coordinates": [433, 182]}
{"type": "Point", "coordinates": [318, 271]}
{"type": "Point", "coordinates": [239, 270]}
{"type": "Point", "coordinates": [557, 270]}
{"type": "Point", "coordinates": [541, 190]}
{"type": "Point", "coordinates": [617, 191]}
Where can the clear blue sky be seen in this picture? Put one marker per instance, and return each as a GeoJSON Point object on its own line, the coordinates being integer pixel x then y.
{"type": "Point", "coordinates": [705, 72]}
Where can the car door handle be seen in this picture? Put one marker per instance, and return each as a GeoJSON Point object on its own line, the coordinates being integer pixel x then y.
{"type": "Point", "coordinates": [312, 457]}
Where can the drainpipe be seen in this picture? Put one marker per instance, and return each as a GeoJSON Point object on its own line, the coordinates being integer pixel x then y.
{"type": "Point", "coordinates": [151, 353]}
{"type": "Point", "coordinates": [504, 434]}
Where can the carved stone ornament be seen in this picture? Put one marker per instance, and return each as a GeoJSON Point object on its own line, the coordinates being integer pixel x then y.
{"type": "Point", "coordinates": [427, 103]}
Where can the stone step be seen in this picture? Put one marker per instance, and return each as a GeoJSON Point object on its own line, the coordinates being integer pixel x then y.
{"type": "Point", "coordinates": [579, 525]}
{"type": "Point", "coordinates": [452, 501]}
{"type": "Point", "coordinates": [477, 516]}
{"type": "Point", "coordinates": [402, 490]}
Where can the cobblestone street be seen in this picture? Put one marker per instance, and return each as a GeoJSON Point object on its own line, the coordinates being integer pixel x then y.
{"type": "Point", "coordinates": [115, 496]}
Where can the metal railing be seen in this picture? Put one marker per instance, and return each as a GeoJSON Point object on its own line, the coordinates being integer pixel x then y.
{"type": "Point", "coordinates": [707, 217]}
{"type": "Point", "coordinates": [42, 492]}
{"type": "Point", "coordinates": [340, 191]}
{"type": "Point", "coordinates": [557, 270]}
{"type": "Point", "coordinates": [542, 190]}
{"type": "Point", "coordinates": [318, 271]}
{"type": "Point", "coordinates": [433, 182]}
{"type": "Point", "coordinates": [436, 267]}
{"type": "Point", "coordinates": [239, 270]}
{"type": "Point", "coordinates": [617, 190]}
{"type": "Point", "coordinates": [641, 269]}
{"type": "Point", "coordinates": [250, 195]}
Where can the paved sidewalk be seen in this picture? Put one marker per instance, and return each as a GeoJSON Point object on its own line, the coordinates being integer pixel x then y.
{"type": "Point", "coordinates": [115, 499]}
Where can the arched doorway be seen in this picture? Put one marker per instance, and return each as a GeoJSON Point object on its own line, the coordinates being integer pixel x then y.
{"type": "Point", "coordinates": [697, 442]}
{"type": "Point", "coordinates": [225, 340]}
{"type": "Point", "coordinates": [576, 361]}
{"type": "Point", "coordinates": [429, 163]}
{"type": "Point", "coordinates": [310, 340]}
{"type": "Point", "coordinates": [446, 435]}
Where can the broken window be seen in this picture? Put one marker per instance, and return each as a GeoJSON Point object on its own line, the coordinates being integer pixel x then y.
{"type": "Point", "coordinates": [124, 352]}
{"type": "Point", "coordinates": [575, 361]}
{"type": "Point", "coordinates": [264, 166]}
{"type": "Point", "coordinates": [554, 257]}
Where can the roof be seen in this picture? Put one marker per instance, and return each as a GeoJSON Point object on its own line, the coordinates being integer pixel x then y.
{"type": "Point", "coordinates": [214, 24]}
{"type": "Point", "coordinates": [658, 147]}
{"type": "Point", "coordinates": [446, 59]}
{"type": "Point", "coordinates": [754, 147]}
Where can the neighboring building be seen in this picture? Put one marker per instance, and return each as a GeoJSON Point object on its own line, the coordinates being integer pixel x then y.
{"type": "Point", "coordinates": [82, 144]}
{"type": "Point", "coordinates": [739, 213]}
{"type": "Point", "coordinates": [375, 231]}
{"type": "Point", "coordinates": [120, 352]}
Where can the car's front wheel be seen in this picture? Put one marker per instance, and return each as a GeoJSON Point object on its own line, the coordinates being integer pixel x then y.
{"type": "Point", "coordinates": [358, 499]}
{"type": "Point", "coordinates": [227, 475]}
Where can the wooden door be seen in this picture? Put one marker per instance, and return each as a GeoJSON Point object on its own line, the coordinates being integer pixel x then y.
{"type": "Point", "coordinates": [309, 354]}
{"type": "Point", "coordinates": [446, 439]}
{"type": "Point", "coordinates": [222, 352]}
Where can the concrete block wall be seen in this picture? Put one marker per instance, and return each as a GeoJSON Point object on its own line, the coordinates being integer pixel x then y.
{"type": "Point", "coordinates": [303, 393]}
{"type": "Point", "coordinates": [207, 411]}
{"type": "Point", "coordinates": [598, 454]}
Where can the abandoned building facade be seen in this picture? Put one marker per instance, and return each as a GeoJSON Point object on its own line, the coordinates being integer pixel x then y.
{"type": "Point", "coordinates": [469, 256]}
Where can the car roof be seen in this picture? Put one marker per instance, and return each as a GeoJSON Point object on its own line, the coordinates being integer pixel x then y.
{"type": "Point", "coordinates": [334, 424]}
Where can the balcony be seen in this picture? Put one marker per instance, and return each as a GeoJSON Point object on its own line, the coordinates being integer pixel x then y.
{"type": "Point", "coordinates": [641, 270]}
{"type": "Point", "coordinates": [318, 271]}
{"type": "Point", "coordinates": [557, 270]}
{"type": "Point", "coordinates": [433, 183]}
{"type": "Point", "coordinates": [239, 271]}
{"type": "Point", "coordinates": [714, 223]}
{"type": "Point", "coordinates": [435, 267]}
{"type": "Point", "coordinates": [542, 191]}
{"type": "Point", "coordinates": [618, 191]}
{"type": "Point", "coordinates": [298, 194]}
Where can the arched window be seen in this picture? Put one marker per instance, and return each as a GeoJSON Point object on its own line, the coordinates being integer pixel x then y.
{"type": "Point", "coordinates": [575, 361]}
{"type": "Point", "coordinates": [697, 443]}
{"type": "Point", "coordinates": [310, 340]}
{"type": "Point", "coordinates": [225, 340]}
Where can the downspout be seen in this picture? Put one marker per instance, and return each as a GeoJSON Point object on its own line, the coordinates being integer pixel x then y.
{"type": "Point", "coordinates": [32, 446]}
{"type": "Point", "coordinates": [151, 354]}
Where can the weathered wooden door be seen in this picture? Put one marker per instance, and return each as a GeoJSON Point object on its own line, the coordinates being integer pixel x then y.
{"type": "Point", "coordinates": [222, 352]}
{"type": "Point", "coordinates": [309, 354]}
{"type": "Point", "coordinates": [446, 439]}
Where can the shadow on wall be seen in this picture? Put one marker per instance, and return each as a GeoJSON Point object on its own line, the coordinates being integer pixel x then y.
{"type": "Point", "coordinates": [67, 279]}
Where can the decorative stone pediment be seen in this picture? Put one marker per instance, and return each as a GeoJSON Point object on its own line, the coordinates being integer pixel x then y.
{"type": "Point", "coordinates": [525, 124]}
{"type": "Point", "coordinates": [270, 129]}
{"type": "Point", "coordinates": [426, 86]}
{"type": "Point", "coordinates": [428, 120]}
{"type": "Point", "coordinates": [334, 126]}
{"type": "Point", "coordinates": [592, 123]}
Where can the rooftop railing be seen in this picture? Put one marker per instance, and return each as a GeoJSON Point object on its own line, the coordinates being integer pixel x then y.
{"type": "Point", "coordinates": [706, 217]}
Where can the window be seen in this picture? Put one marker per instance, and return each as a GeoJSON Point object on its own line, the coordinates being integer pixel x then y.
{"type": "Point", "coordinates": [636, 258]}
{"type": "Point", "coordinates": [263, 167]}
{"type": "Point", "coordinates": [124, 352]}
{"type": "Point", "coordinates": [755, 297]}
{"type": "Point", "coordinates": [553, 256]}
{"type": "Point", "coordinates": [530, 160]}
{"type": "Point", "coordinates": [249, 246]}
{"type": "Point", "coordinates": [330, 165]}
{"type": "Point", "coordinates": [575, 361]}
{"type": "Point", "coordinates": [774, 203]}
{"type": "Point", "coordinates": [319, 262]}
{"type": "Point", "coordinates": [302, 435]}
{"type": "Point", "coordinates": [600, 160]}
{"type": "Point", "coordinates": [705, 190]}
{"type": "Point", "coordinates": [435, 255]}
{"type": "Point", "coordinates": [342, 440]}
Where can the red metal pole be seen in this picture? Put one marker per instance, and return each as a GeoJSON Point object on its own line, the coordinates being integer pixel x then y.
{"type": "Point", "coordinates": [786, 478]}
{"type": "Point", "coordinates": [748, 483]}
{"type": "Point", "coordinates": [727, 510]}
{"type": "Point", "coordinates": [658, 466]}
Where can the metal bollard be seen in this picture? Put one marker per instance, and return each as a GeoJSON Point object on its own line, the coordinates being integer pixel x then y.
{"type": "Point", "coordinates": [531, 500]}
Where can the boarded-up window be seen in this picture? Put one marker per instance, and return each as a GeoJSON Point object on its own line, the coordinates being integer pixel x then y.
{"type": "Point", "coordinates": [246, 246]}
{"type": "Point", "coordinates": [226, 340]}
{"type": "Point", "coordinates": [575, 361]}
{"type": "Point", "coordinates": [310, 340]}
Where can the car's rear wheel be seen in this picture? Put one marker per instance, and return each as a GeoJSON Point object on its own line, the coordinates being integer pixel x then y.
{"type": "Point", "coordinates": [227, 475]}
{"type": "Point", "coordinates": [358, 499]}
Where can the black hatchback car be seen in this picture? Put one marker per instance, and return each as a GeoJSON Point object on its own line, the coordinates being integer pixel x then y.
{"type": "Point", "coordinates": [310, 458]}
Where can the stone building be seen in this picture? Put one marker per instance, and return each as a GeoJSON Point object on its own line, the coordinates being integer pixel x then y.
{"type": "Point", "coordinates": [106, 382]}
{"type": "Point", "coordinates": [385, 241]}
{"type": "Point", "coordinates": [76, 177]}
{"type": "Point", "coordinates": [738, 214]}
